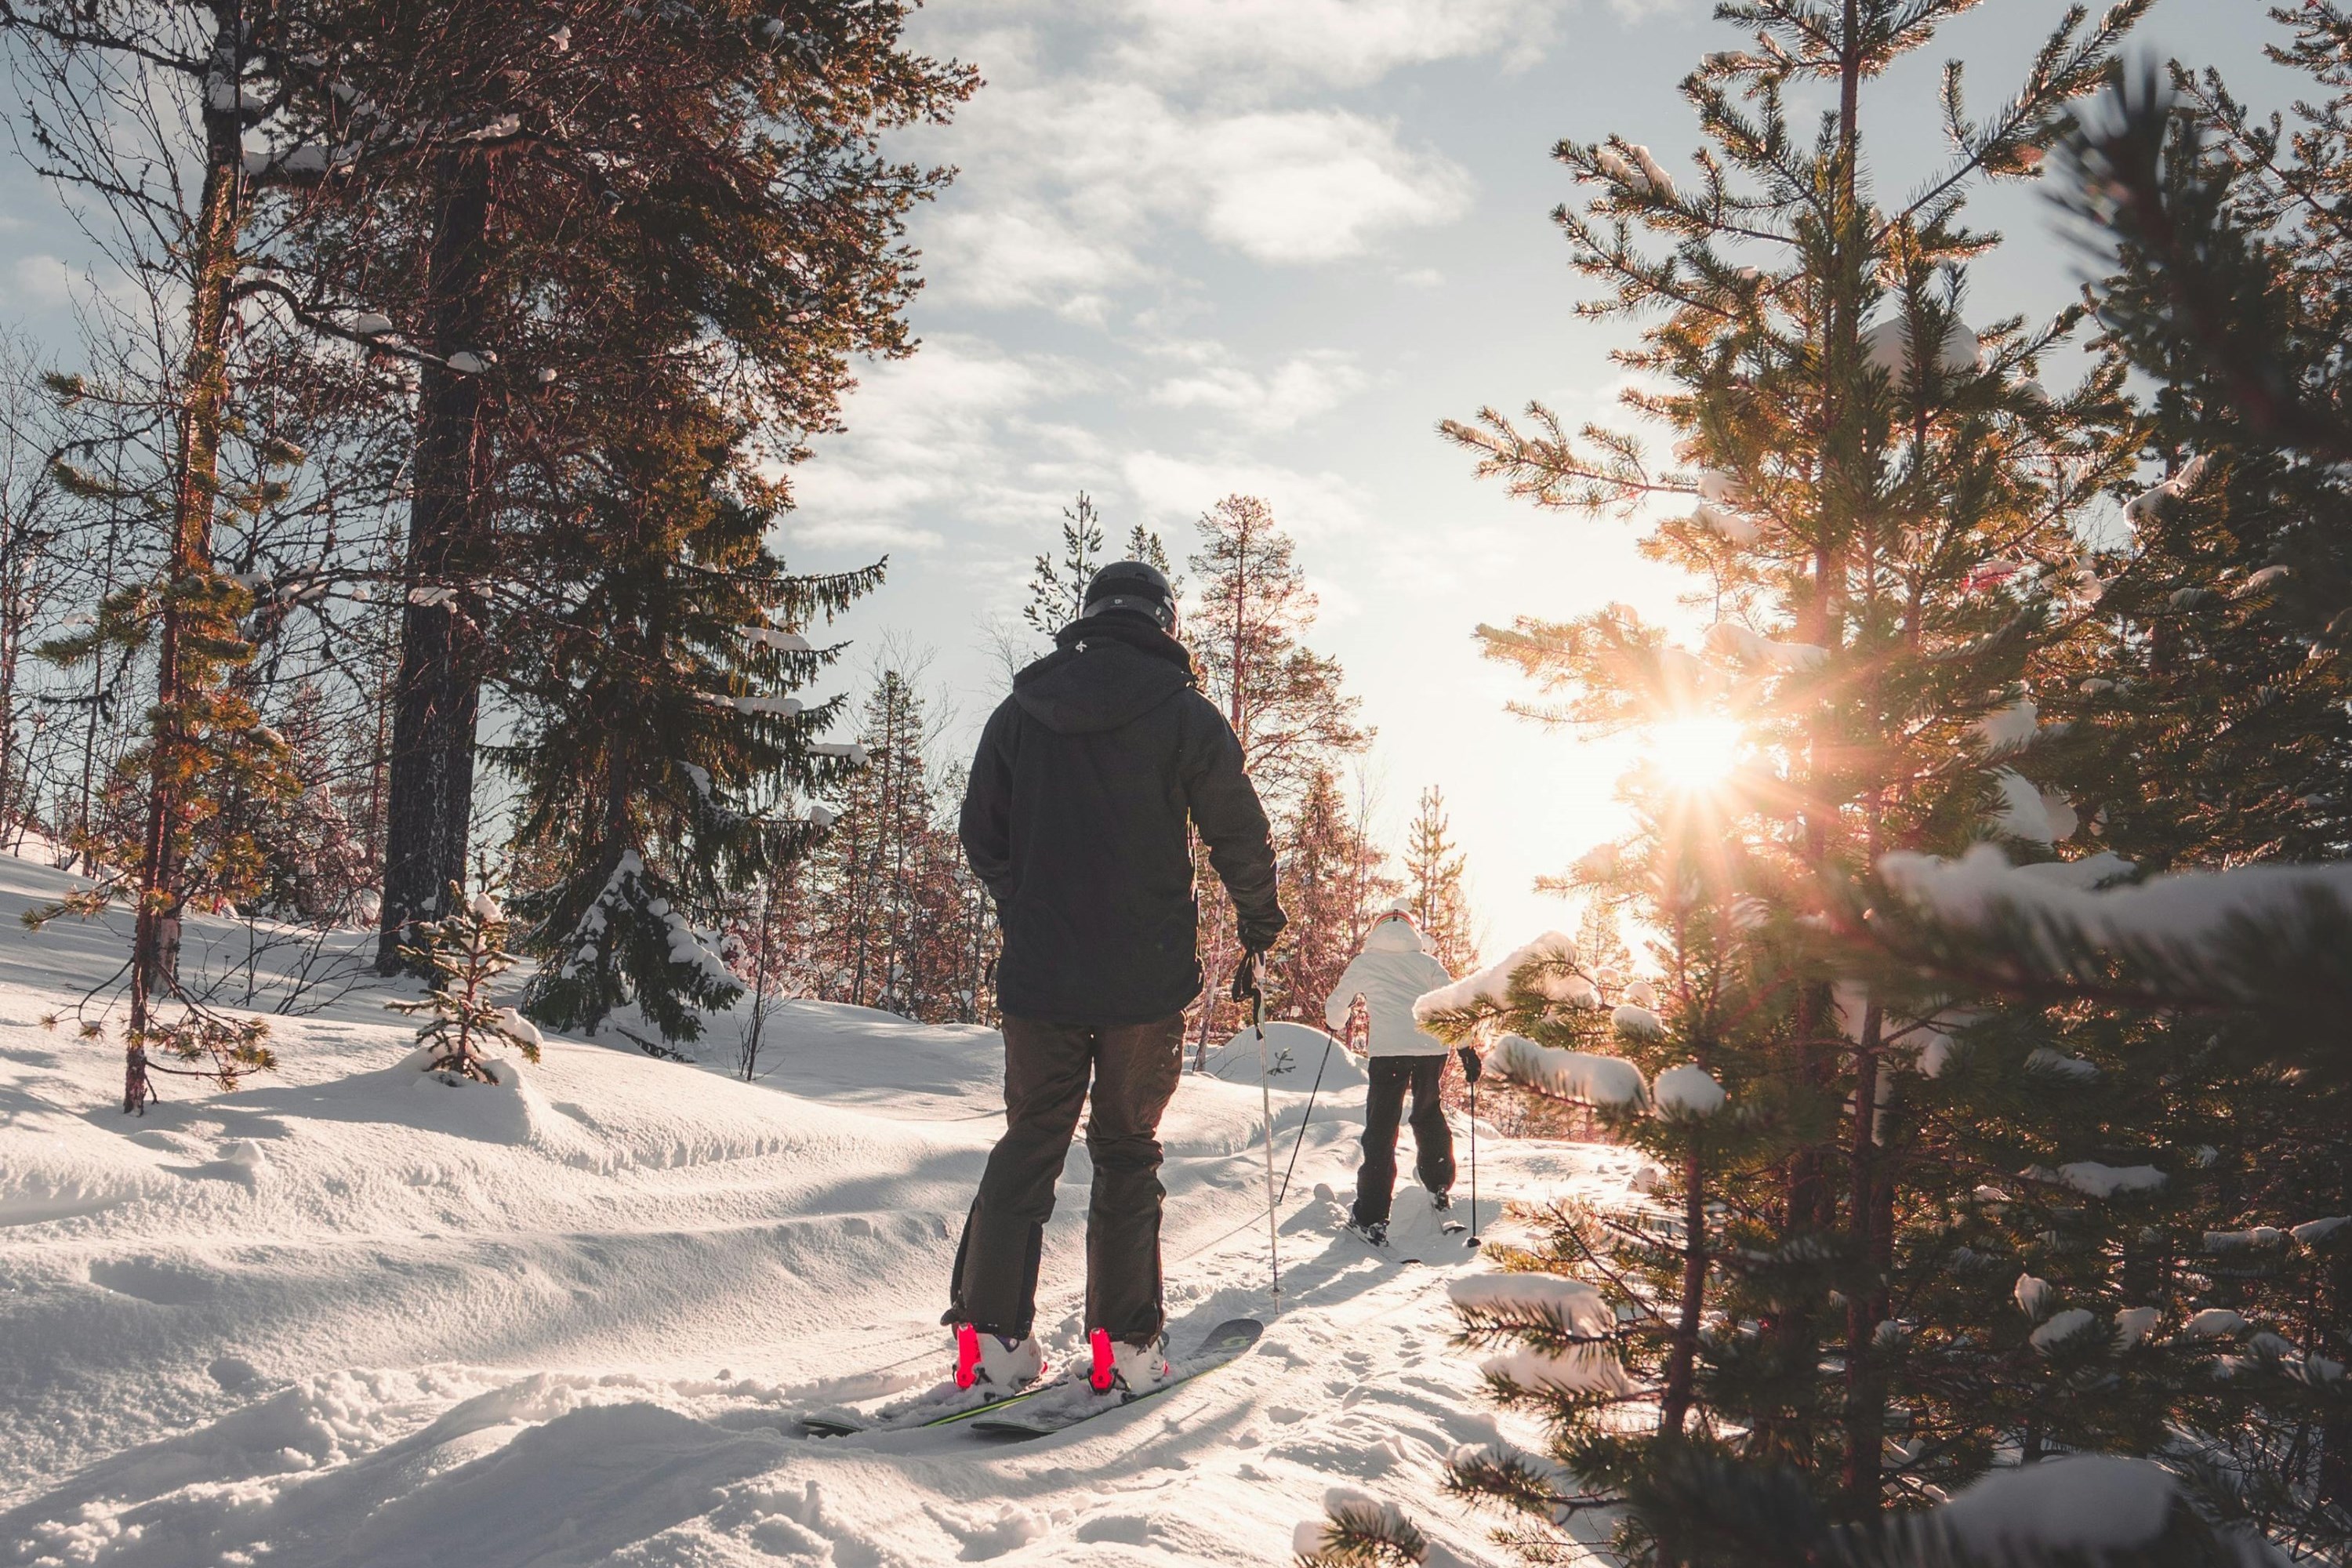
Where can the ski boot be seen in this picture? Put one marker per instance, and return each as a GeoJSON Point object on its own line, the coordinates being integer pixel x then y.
{"type": "Point", "coordinates": [1374, 1234]}
{"type": "Point", "coordinates": [1129, 1368]}
{"type": "Point", "coordinates": [1001, 1365]}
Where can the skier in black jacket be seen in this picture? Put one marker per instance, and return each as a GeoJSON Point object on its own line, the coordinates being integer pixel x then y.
{"type": "Point", "coordinates": [1076, 819]}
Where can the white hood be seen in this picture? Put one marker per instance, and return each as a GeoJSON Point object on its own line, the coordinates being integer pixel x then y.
{"type": "Point", "coordinates": [1389, 974]}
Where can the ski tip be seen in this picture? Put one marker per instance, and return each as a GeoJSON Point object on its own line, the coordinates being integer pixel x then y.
{"type": "Point", "coordinates": [1232, 1334]}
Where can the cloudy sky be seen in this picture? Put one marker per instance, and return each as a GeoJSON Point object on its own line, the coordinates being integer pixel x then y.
{"type": "Point", "coordinates": [1199, 246]}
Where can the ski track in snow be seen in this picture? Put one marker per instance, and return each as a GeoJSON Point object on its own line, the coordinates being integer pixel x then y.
{"type": "Point", "coordinates": [574, 1322]}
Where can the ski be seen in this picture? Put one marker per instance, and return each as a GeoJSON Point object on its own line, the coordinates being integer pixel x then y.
{"type": "Point", "coordinates": [1387, 1251]}
{"type": "Point", "coordinates": [839, 1424]}
{"type": "Point", "coordinates": [1225, 1343]}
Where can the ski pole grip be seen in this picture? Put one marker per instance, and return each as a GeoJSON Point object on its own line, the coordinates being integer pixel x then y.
{"type": "Point", "coordinates": [1245, 988]}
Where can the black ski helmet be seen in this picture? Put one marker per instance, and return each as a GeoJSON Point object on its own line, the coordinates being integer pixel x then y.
{"type": "Point", "coordinates": [1133, 585]}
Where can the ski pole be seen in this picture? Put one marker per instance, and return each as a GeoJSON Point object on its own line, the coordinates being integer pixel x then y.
{"type": "Point", "coordinates": [1246, 988]}
{"type": "Point", "coordinates": [1301, 1141]}
{"type": "Point", "coordinates": [1473, 1164]}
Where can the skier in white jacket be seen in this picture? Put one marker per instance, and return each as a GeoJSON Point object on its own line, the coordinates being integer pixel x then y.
{"type": "Point", "coordinates": [1389, 974]}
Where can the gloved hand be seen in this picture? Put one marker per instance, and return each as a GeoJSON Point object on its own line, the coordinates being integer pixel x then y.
{"type": "Point", "coordinates": [1472, 1068]}
{"type": "Point", "coordinates": [1245, 986]}
{"type": "Point", "coordinates": [1259, 936]}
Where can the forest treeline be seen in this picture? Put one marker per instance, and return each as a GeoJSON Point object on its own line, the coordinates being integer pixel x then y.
{"type": "Point", "coordinates": [426, 450]}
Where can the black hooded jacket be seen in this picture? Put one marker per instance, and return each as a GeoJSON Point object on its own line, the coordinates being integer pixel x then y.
{"type": "Point", "coordinates": [1076, 817]}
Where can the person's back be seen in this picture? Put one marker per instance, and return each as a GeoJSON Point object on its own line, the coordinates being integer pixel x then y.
{"type": "Point", "coordinates": [1087, 784]}
{"type": "Point", "coordinates": [1389, 974]}
{"type": "Point", "coordinates": [1077, 821]}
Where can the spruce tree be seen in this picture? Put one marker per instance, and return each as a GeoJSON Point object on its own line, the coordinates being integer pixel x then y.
{"type": "Point", "coordinates": [1885, 518]}
{"type": "Point", "coordinates": [659, 722]}
{"type": "Point", "coordinates": [536, 183]}
{"type": "Point", "coordinates": [1433, 871]}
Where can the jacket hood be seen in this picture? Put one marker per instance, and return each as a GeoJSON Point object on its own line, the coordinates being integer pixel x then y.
{"type": "Point", "coordinates": [1392, 936]}
{"type": "Point", "coordinates": [1108, 671]}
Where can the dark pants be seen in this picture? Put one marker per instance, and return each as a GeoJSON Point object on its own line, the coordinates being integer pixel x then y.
{"type": "Point", "coordinates": [1432, 1140]}
{"type": "Point", "coordinates": [1134, 1067]}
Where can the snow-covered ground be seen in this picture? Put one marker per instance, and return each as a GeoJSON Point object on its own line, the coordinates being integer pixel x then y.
{"type": "Point", "coordinates": [350, 1315]}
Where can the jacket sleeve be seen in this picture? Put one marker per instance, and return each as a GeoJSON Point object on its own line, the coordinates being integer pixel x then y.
{"type": "Point", "coordinates": [986, 827]}
{"type": "Point", "coordinates": [1433, 976]}
{"type": "Point", "coordinates": [1224, 807]}
{"type": "Point", "coordinates": [1343, 996]}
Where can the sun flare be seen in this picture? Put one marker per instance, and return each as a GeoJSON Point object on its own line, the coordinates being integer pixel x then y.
{"type": "Point", "coordinates": [1694, 754]}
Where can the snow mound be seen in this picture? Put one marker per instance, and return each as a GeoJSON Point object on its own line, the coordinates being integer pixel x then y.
{"type": "Point", "coordinates": [1294, 1053]}
{"type": "Point", "coordinates": [350, 1313]}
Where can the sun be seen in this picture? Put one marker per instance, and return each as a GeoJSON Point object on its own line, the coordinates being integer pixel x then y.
{"type": "Point", "coordinates": [1693, 753]}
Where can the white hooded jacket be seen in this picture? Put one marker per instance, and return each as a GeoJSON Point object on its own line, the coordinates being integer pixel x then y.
{"type": "Point", "coordinates": [1391, 974]}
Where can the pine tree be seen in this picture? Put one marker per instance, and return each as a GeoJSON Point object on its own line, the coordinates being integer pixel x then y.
{"type": "Point", "coordinates": [1057, 588]}
{"type": "Point", "coordinates": [1433, 869]}
{"type": "Point", "coordinates": [896, 915]}
{"type": "Point", "coordinates": [659, 719]}
{"type": "Point", "coordinates": [1886, 525]}
{"type": "Point", "coordinates": [143, 111]}
{"type": "Point", "coordinates": [1144, 545]}
{"type": "Point", "coordinates": [463, 952]}
{"type": "Point", "coordinates": [559, 177]}
{"type": "Point", "coordinates": [1285, 701]}
{"type": "Point", "coordinates": [2206, 728]}
{"type": "Point", "coordinates": [1333, 888]}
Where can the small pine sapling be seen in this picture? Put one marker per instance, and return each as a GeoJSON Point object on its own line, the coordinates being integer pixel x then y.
{"type": "Point", "coordinates": [1358, 1531]}
{"type": "Point", "coordinates": [464, 951]}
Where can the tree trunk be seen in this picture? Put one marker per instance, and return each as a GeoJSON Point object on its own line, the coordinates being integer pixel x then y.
{"type": "Point", "coordinates": [1682, 1360]}
{"type": "Point", "coordinates": [1867, 1303]}
{"type": "Point", "coordinates": [155, 940]}
{"type": "Point", "coordinates": [429, 801]}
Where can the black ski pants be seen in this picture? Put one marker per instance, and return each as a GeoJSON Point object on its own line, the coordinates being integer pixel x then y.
{"type": "Point", "coordinates": [1133, 1068]}
{"type": "Point", "coordinates": [1432, 1140]}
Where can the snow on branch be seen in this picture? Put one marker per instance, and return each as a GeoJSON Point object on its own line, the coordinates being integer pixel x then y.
{"type": "Point", "coordinates": [1545, 970]}
{"type": "Point", "coordinates": [2274, 939]}
{"type": "Point", "coordinates": [1579, 1076]}
{"type": "Point", "coordinates": [1557, 1335]}
{"type": "Point", "coordinates": [2191, 909]}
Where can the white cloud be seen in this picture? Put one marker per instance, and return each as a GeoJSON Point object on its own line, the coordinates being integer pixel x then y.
{"type": "Point", "coordinates": [1296, 390]}
{"type": "Point", "coordinates": [1332, 43]}
{"type": "Point", "coordinates": [932, 435]}
{"type": "Point", "coordinates": [1307, 186]}
{"type": "Point", "coordinates": [1173, 488]}
{"type": "Point", "coordinates": [40, 282]}
{"type": "Point", "coordinates": [1070, 184]}
{"type": "Point", "coordinates": [1026, 254]}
